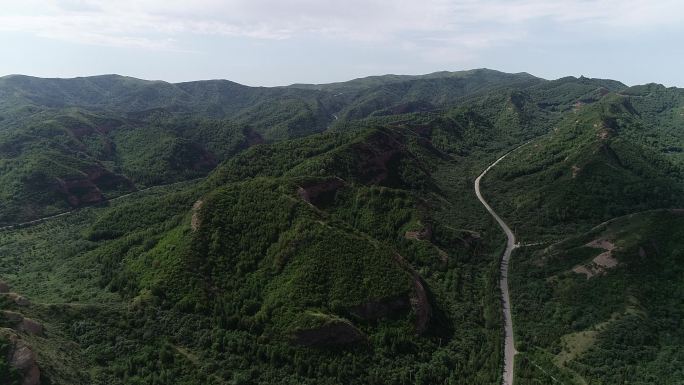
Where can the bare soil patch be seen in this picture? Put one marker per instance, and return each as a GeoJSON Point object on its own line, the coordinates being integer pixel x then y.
{"type": "Point", "coordinates": [602, 262]}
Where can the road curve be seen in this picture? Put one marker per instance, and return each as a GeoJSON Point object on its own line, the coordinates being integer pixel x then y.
{"type": "Point", "coordinates": [509, 342]}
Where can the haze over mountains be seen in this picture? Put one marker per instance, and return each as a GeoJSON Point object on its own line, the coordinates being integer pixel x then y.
{"type": "Point", "coordinates": [325, 234]}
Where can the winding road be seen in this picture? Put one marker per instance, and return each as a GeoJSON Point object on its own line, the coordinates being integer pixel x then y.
{"type": "Point", "coordinates": [509, 342]}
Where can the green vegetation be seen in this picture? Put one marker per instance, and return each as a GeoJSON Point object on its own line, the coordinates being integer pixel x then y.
{"type": "Point", "coordinates": [622, 324]}
{"type": "Point", "coordinates": [322, 251]}
{"type": "Point", "coordinates": [336, 237]}
{"type": "Point", "coordinates": [148, 133]}
{"type": "Point", "coordinates": [587, 170]}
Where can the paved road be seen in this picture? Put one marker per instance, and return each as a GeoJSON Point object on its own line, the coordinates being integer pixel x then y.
{"type": "Point", "coordinates": [509, 342]}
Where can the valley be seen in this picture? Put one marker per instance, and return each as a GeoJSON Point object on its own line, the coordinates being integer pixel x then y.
{"type": "Point", "coordinates": [509, 335]}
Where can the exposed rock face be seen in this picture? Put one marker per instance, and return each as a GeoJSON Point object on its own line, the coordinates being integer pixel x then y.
{"type": "Point", "coordinates": [575, 171]}
{"type": "Point", "coordinates": [253, 137]}
{"type": "Point", "coordinates": [18, 322]}
{"type": "Point", "coordinates": [11, 316]}
{"type": "Point", "coordinates": [377, 159]}
{"type": "Point", "coordinates": [81, 130]}
{"type": "Point", "coordinates": [374, 159]}
{"type": "Point", "coordinates": [333, 333]}
{"type": "Point", "coordinates": [642, 252]}
{"type": "Point", "coordinates": [421, 305]}
{"type": "Point", "coordinates": [419, 297]}
{"type": "Point", "coordinates": [20, 300]}
{"type": "Point", "coordinates": [80, 191]}
{"type": "Point", "coordinates": [30, 326]}
{"type": "Point", "coordinates": [320, 193]}
{"type": "Point", "coordinates": [601, 263]}
{"type": "Point", "coordinates": [405, 108]}
{"type": "Point", "coordinates": [471, 239]}
{"type": "Point", "coordinates": [196, 220]}
{"type": "Point", "coordinates": [381, 308]}
{"type": "Point", "coordinates": [423, 234]}
{"type": "Point", "coordinates": [97, 132]}
{"type": "Point", "coordinates": [86, 188]}
{"type": "Point", "coordinates": [443, 256]}
{"type": "Point", "coordinates": [202, 160]}
{"type": "Point", "coordinates": [22, 358]}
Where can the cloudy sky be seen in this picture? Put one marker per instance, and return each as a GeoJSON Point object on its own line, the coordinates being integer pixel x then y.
{"type": "Point", "coordinates": [277, 42]}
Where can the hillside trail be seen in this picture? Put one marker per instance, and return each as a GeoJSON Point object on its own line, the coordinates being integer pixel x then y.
{"type": "Point", "coordinates": [509, 341]}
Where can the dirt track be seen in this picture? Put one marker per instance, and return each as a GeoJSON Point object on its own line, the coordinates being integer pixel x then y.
{"type": "Point", "coordinates": [43, 219]}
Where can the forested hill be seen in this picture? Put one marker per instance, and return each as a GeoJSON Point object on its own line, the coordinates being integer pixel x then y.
{"type": "Point", "coordinates": [67, 143]}
{"type": "Point", "coordinates": [327, 234]}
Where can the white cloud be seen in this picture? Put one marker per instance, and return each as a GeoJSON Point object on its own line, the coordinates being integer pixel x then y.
{"type": "Point", "coordinates": [437, 26]}
{"type": "Point", "coordinates": [633, 13]}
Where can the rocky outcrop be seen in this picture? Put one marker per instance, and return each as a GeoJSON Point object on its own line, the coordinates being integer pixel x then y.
{"type": "Point", "coordinates": [22, 324]}
{"type": "Point", "coordinates": [87, 188]}
{"type": "Point", "coordinates": [201, 159]}
{"type": "Point", "coordinates": [471, 239]}
{"type": "Point", "coordinates": [332, 333]}
{"type": "Point", "coordinates": [4, 287]}
{"type": "Point", "coordinates": [421, 305]}
{"type": "Point", "coordinates": [424, 234]}
{"type": "Point", "coordinates": [253, 138]}
{"type": "Point", "coordinates": [601, 263]}
{"type": "Point", "coordinates": [406, 108]}
{"type": "Point", "coordinates": [79, 192]}
{"type": "Point", "coordinates": [196, 220]}
{"type": "Point", "coordinates": [443, 255]}
{"type": "Point", "coordinates": [98, 132]}
{"type": "Point", "coordinates": [374, 160]}
{"type": "Point", "coordinates": [420, 302]}
{"type": "Point", "coordinates": [417, 300]}
{"type": "Point", "coordinates": [11, 317]}
{"type": "Point", "coordinates": [381, 308]}
{"type": "Point", "coordinates": [19, 300]}
{"type": "Point", "coordinates": [21, 357]}
{"type": "Point", "coordinates": [320, 192]}
{"type": "Point", "coordinates": [81, 130]}
{"type": "Point", "coordinates": [29, 326]}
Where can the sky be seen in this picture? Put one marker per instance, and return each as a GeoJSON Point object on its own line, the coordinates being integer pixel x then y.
{"type": "Point", "coordinates": [280, 42]}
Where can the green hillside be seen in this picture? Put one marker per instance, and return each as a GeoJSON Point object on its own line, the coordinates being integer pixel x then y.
{"type": "Point", "coordinates": [329, 234]}
{"type": "Point", "coordinates": [149, 133]}
{"type": "Point", "coordinates": [327, 276]}
{"type": "Point", "coordinates": [588, 169]}
{"type": "Point", "coordinates": [606, 306]}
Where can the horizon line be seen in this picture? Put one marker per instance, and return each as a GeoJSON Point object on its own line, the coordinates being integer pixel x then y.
{"type": "Point", "coordinates": [323, 84]}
